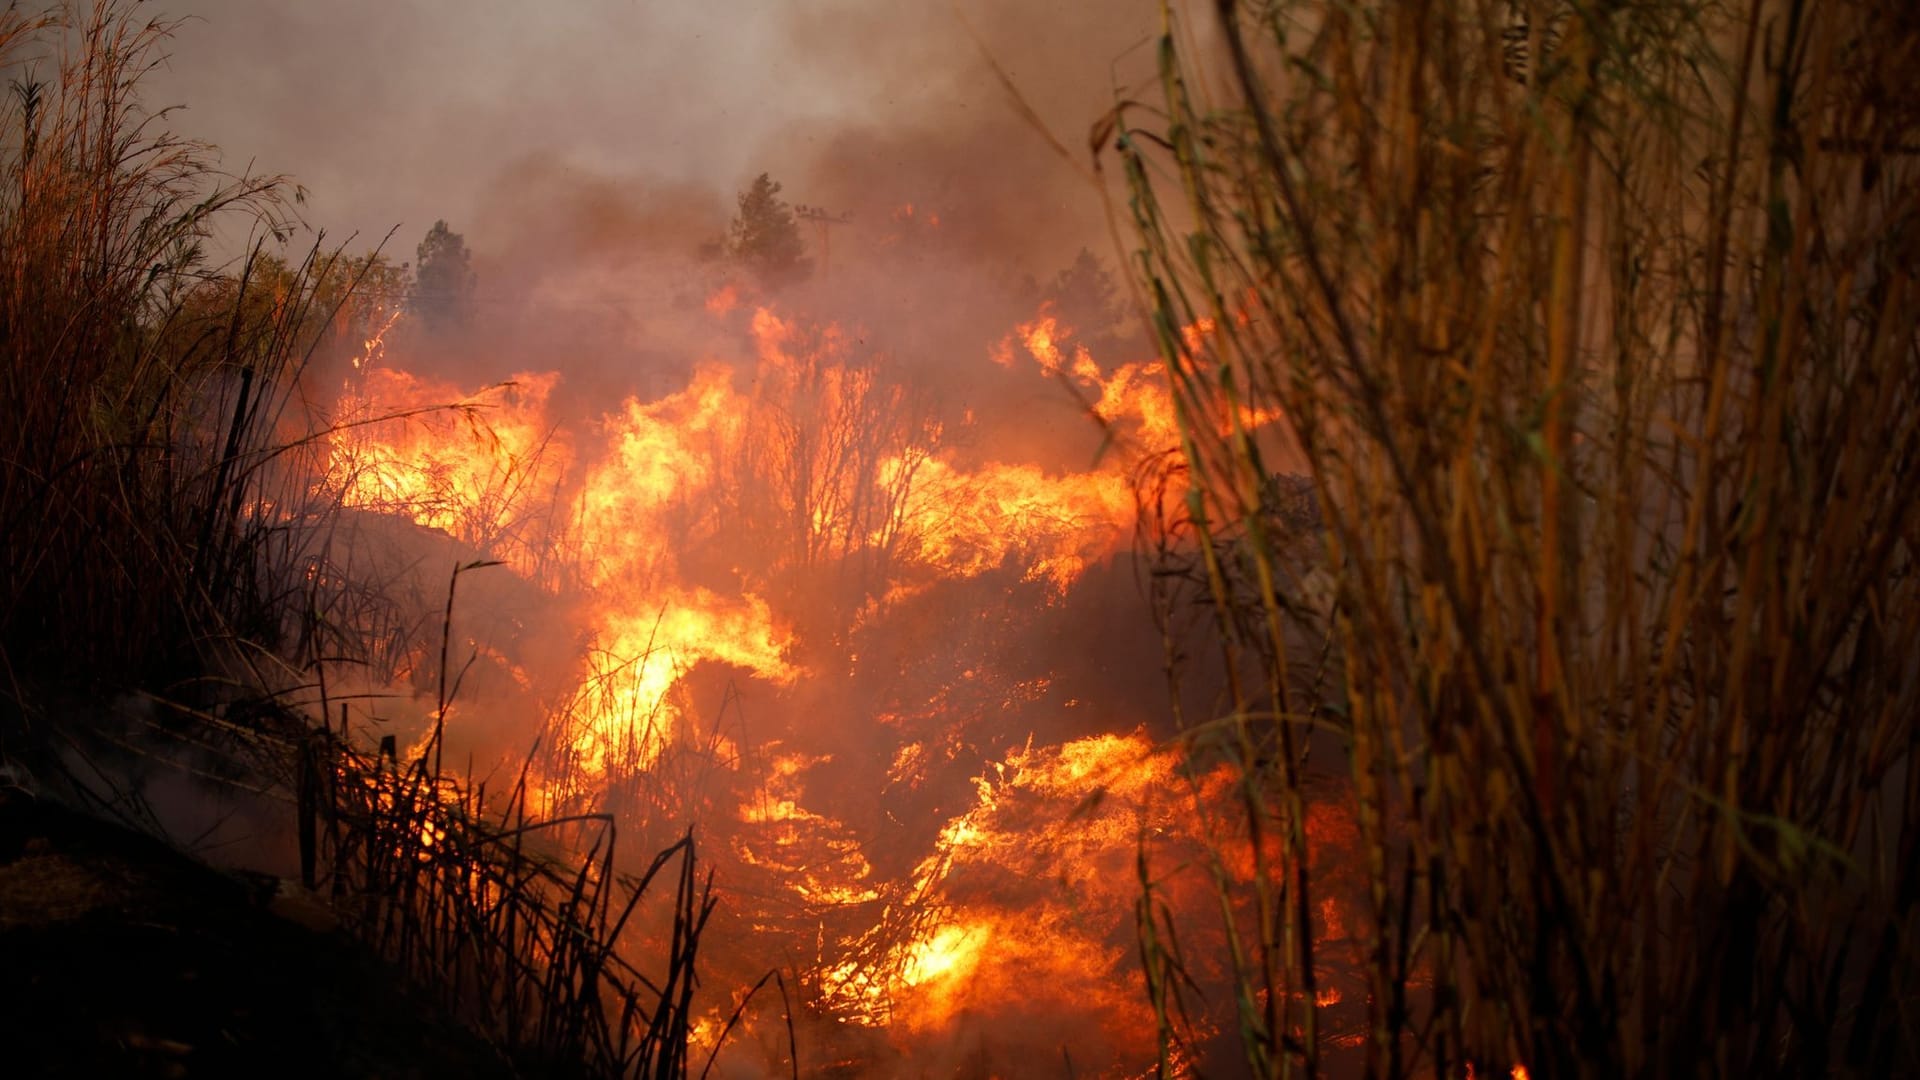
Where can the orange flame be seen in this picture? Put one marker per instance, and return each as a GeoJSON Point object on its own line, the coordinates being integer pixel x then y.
{"type": "Point", "coordinates": [680, 536]}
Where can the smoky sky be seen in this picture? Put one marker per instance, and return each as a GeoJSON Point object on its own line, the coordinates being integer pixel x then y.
{"type": "Point", "coordinates": [400, 112]}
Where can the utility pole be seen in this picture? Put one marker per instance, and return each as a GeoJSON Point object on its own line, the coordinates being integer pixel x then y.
{"type": "Point", "coordinates": [826, 219]}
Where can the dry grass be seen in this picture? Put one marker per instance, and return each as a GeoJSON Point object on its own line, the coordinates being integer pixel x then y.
{"type": "Point", "coordinates": [152, 511]}
{"type": "Point", "coordinates": [521, 938]}
{"type": "Point", "coordinates": [1594, 330]}
{"type": "Point", "coordinates": [162, 531]}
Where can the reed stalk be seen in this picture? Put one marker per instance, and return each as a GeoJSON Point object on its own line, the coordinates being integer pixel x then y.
{"type": "Point", "coordinates": [1593, 328]}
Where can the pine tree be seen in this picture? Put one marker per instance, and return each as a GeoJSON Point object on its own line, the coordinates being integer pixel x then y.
{"type": "Point", "coordinates": [1091, 307]}
{"type": "Point", "coordinates": [764, 236]}
{"type": "Point", "coordinates": [443, 279]}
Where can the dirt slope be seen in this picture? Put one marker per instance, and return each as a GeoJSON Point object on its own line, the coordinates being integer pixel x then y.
{"type": "Point", "coordinates": [121, 957]}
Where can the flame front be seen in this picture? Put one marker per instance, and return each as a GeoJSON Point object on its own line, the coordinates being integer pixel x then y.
{"type": "Point", "coordinates": [791, 502]}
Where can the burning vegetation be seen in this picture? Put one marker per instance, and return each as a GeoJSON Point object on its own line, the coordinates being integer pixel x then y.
{"type": "Point", "coordinates": [801, 624]}
{"type": "Point", "coordinates": [1465, 633]}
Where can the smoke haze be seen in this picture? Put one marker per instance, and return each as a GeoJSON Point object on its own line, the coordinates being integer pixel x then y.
{"type": "Point", "coordinates": [400, 113]}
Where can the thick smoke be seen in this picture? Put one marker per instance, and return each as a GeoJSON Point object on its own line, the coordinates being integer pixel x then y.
{"type": "Point", "coordinates": [402, 114]}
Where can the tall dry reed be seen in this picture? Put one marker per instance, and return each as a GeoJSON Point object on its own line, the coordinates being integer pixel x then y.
{"type": "Point", "coordinates": [1593, 328]}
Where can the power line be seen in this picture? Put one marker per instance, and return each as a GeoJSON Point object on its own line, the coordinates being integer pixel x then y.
{"type": "Point", "coordinates": [826, 219]}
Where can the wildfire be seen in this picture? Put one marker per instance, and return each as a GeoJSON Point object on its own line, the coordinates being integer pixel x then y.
{"type": "Point", "coordinates": [724, 299]}
{"type": "Point", "coordinates": [1132, 399]}
{"type": "Point", "coordinates": [460, 463]}
{"type": "Point", "coordinates": [786, 496]}
{"type": "Point", "coordinates": [965, 523]}
{"type": "Point", "coordinates": [1133, 396]}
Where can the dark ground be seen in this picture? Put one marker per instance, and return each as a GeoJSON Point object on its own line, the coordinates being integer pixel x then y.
{"type": "Point", "coordinates": [121, 957]}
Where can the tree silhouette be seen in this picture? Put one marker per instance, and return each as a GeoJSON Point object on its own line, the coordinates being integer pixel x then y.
{"type": "Point", "coordinates": [1091, 306]}
{"type": "Point", "coordinates": [764, 236]}
{"type": "Point", "coordinates": [443, 279]}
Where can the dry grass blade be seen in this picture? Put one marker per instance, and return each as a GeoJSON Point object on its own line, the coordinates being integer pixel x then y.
{"type": "Point", "coordinates": [1593, 328]}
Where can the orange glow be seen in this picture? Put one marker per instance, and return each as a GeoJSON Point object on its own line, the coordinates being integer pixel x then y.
{"type": "Point", "coordinates": [1133, 398]}
{"type": "Point", "coordinates": [705, 531]}
{"type": "Point", "coordinates": [724, 299]}
{"type": "Point", "coordinates": [909, 214]}
{"type": "Point", "coordinates": [968, 523]}
{"type": "Point", "coordinates": [449, 460]}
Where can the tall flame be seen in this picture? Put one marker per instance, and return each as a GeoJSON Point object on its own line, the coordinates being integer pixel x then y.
{"type": "Point", "coordinates": [758, 516]}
